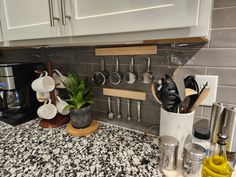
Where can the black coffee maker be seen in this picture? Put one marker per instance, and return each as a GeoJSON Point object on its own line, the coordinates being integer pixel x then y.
{"type": "Point", "coordinates": [18, 101]}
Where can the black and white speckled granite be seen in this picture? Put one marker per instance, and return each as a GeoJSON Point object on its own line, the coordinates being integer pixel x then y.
{"type": "Point", "coordinates": [29, 150]}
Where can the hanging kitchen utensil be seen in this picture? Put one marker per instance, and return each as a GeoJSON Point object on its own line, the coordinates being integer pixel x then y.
{"type": "Point", "coordinates": [200, 99]}
{"type": "Point", "coordinates": [139, 111]}
{"type": "Point", "coordinates": [129, 109]}
{"type": "Point", "coordinates": [116, 76]}
{"type": "Point", "coordinates": [147, 76]}
{"type": "Point", "coordinates": [131, 76]}
{"type": "Point", "coordinates": [178, 77]}
{"type": "Point", "coordinates": [101, 77]}
{"type": "Point", "coordinates": [118, 109]}
{"type": "Point", "coordinates": [110, 113]}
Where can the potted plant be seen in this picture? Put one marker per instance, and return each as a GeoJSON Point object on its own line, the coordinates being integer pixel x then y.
{"type": "Point", "coordinates": [80, 101]}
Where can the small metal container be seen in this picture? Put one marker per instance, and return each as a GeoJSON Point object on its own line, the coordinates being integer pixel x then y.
{"type": "Point", "coordinates": [169, 152]}
{"type": "Point", "coordinates": [194, 155]}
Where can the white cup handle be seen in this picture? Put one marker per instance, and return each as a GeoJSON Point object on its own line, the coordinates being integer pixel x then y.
{"type": "Point", "coordinates": [48, 101]}
{"type": "Point", "coordinates": [58, 72]}
{"type": "Point", "coordinates": [44, 73]}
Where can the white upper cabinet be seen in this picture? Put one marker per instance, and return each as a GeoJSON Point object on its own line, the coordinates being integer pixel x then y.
{"type": "Point", "coordinates": [91, 17]}
{"type": "Point", "coordinates": [29, 19]}
{"type": "Point", "coordinates": [102, 21]}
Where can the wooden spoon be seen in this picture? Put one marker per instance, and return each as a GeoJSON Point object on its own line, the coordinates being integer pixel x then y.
{"type": "Point", "coordinates": [154, 93]}
{"type": "Point", "coordinates": [189, 92]}
{"type": "Point", "coordinates": [185, 104]}
{"type": "Point", "coordinates": [200, 99]}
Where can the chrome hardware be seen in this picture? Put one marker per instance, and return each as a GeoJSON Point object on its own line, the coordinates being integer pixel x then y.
{"type": "Point", "coordinates": [52, 18]}
{"type": "Point", "coordinates": [118, 109]}
{"type": "Point", "coordinates": [63, 13]}
{"type": "Point", "coordinates": [139, 110]}
{"type": "Point", "coordinates": [129, 109]}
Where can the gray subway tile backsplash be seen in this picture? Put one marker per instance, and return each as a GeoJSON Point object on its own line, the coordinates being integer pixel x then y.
{"type": "Point", "coordinates": [218, 57]}
{"type": "Point", "coordinates": [223, 38]}
{"type": "Point", "coordinates": [223, 18]}
{"type": "Point", "coordinates": [224, 3]}
{"type": "Point", "coordinates": [226, 75]}
{"type": "Point", "coordinates": [226, 94]}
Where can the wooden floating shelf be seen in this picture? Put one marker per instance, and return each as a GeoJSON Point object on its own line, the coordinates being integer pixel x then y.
{"type": "Point", "coordinates": [136, 95]}
{"type": "Point", "coordinates": [136, 50]}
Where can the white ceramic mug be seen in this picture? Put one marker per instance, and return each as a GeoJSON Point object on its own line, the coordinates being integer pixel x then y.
{"type": "Point", "coordinates": [59, 79]}
{"type": "Point", "coordinates": [44, 96]}
{"type": "Point", "coordinates": [47, 110]}
{"type": "Point", "coordinates": [44, 83]}
{"type": "Point", "coordinates": [61, 104]}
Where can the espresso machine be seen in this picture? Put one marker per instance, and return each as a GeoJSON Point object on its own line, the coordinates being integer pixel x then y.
{"type": "Point", "coordinates": [18, 103]}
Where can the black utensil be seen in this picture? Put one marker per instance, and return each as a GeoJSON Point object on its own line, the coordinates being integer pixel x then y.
{"type": "Point", "coordinates": [101, 77]}
{"type": "Point", "coordinates": [116, 76]}
{"type": "Point", "coordinates": [147, 75]}
{"type": "Point", "coordinates": [190, 82]}
{"type": "Point", "coordinates": [131, 76]}
{"type": "Point", "coordinates": [169, 95]}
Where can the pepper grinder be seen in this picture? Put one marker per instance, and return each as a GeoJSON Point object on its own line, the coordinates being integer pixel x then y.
{"type": "Point", "coordinates": [230, 116]}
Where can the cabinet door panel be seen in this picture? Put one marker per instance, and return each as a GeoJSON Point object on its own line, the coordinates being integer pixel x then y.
{"type": "Point", "coordinates": [106, 16]}
{"type": "Point", "coordinates": [27, 19]}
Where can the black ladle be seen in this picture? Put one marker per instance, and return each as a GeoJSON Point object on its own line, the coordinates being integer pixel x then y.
{"type": "Point", "coordinates": [101, 77]}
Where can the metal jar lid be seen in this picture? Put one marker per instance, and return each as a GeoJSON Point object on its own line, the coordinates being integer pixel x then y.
{"type": "Point", "coordinates": [168, 142]}
{"type": "Point", "coordinates": [194, 152]}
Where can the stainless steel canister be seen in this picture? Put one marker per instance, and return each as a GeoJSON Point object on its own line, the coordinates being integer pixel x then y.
{"type": "Point", "coordinates": [168, 152]}
{"type": "Point", "coordinates": [230, 116]}
{"type": "Point", "coordinates": [216, 121]}
{"type": "Point", "coordinates": [194, 155]}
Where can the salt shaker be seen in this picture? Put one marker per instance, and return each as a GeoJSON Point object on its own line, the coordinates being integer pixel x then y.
{"type": "Point", "coordinates": [168, 152]}
{"type": "Point", "coordinates": [194, 155]}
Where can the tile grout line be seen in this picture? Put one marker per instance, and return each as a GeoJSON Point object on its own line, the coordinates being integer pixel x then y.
{"type": "Point", "coordinates": [223, 28]}
{"type": "Point", "coordinates": [221, 8]}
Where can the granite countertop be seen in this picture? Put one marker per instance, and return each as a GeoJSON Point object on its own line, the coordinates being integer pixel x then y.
{"type": "Point", "coordinates": [28, 150]}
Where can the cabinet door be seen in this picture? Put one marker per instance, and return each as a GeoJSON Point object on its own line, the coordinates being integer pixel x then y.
{"type": "Point", "coordinates": [27, 19]}
{"type": "Point", "coordinates": [106, 16]}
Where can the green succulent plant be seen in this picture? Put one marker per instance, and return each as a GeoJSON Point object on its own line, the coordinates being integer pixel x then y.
{"type": "Point", "coordinates": [79, 92]}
